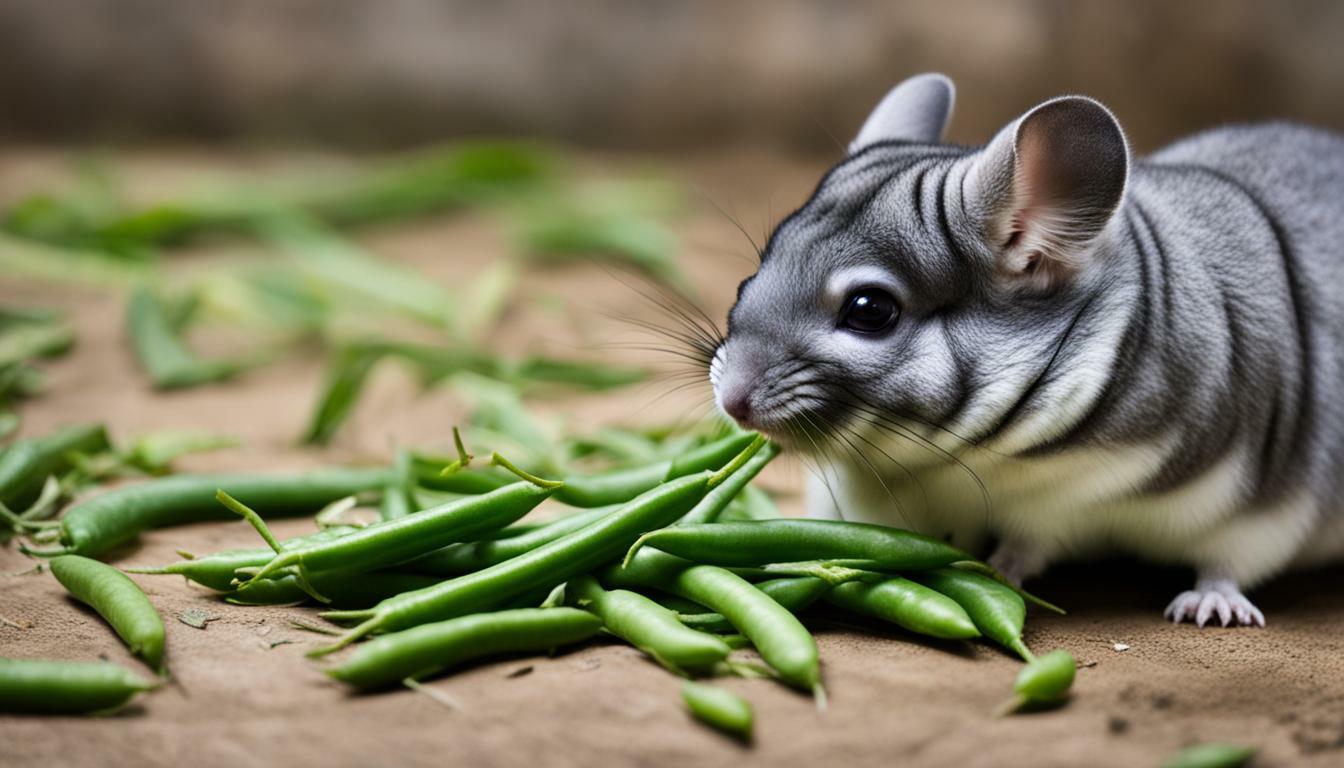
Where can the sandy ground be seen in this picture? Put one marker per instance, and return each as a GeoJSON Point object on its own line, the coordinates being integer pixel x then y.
{"type": "Point", "coordinates": [244, 694]}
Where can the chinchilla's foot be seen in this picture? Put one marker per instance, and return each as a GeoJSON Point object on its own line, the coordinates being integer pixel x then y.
{"type": "Point", "coordinates": [1017, 562]}
{"type": "Point", "coordinates": [1215, 597]}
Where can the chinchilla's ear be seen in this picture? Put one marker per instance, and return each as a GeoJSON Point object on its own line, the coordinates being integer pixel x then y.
{"type": "Point", "coordinates": [1046, 187]}
{"type": "Point", "coordinates": [916, 110]}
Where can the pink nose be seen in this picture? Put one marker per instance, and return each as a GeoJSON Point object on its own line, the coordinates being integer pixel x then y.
{"type": "Point", "coordinates": [738, 405]}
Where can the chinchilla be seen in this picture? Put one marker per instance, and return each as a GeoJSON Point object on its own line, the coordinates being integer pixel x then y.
{"type": "Point", "coordinates": [1051, 344]}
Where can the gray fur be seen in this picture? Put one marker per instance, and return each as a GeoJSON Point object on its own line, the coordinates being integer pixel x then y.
{"type": "Point", "coordinates": [1202, 287]}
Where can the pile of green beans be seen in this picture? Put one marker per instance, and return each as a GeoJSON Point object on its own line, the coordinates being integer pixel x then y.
{"type": "Point", "coordinates": [646, 559]}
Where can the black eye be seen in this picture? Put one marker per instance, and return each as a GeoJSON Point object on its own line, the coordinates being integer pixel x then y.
{"type": "Point", "coordinates": [869, 310]}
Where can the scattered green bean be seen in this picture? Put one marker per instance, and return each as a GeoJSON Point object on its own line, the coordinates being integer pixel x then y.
{"type": "Point", "coordinates": [783, 642]}
{"type": "Point", "coordinates": [998, 612]}
{"type": "Point", "coordinates": [710, 507]}
{"type": "Point", "coordinates": [718, 708]}
{"type": "Point", "coordinates": [431, 648]}
{"type": "Point", "coordinates": [26, 464]}
{"type": "Point", "coordinates": [620, 486]}
{"type": "Point", "coordinates": [66, 687]}
{"type": "Point", "coordinates": [216, 570]}
{"type": "Point", "coordinates": [1043, 681]}
{"type": "Point", "coordinates": [466, 557]}
{"type": "Point", "coordinates": [1211, 755]}
{"type": "Point", "coordinates": [648, 626]}
{"type": "Point", "coordinates": [777, 541]}
{"type": "Point", "coordinates": [390, 542]}
{"type": "Point", "coordinates": [165, 358]}
{"type": "Point", "coordinates": [97, 525]}
{"type": "Point", "coordinates": [345, 589]}
{"type": "Point", "coordinates": [794, 593]}
{"type": "Point", "coordinates": [908, 604]}
{"type": "Point", "coordinates": [118, 600]}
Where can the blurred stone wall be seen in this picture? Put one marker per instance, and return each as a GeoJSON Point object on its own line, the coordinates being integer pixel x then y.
{"type": "Point", "coordinates": [643, 73]}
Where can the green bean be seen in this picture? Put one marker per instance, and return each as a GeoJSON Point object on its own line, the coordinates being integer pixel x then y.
{"type": "Point", "coordinates": [783, 642]}
{"type": "Point", "coordinates": [1043, 681]}
{"type": "Point", "coordinates": [345, 589]}
{"type": "Point", "coordinates": [910, 605]}
{"type": "Point", "coordinates": [753, 504]}
{"type": "Point", "coordinates": [94, 526]}
{"type": "Point", "coordinates": [118, 600]}
{"type": "Point", "coordinates": [776, 541]}
{"type": "Point", "coordinates": [718, 708]}
{"type": "Point", "coordinates": [466, 557]}
{"type": "Point", "coordinates": [216, 570]}
{"type": "Point", "coordinates": [648, 626]}
{"type": "Point", "coordinates": [431, 648]}
{"type": "Point", "coordinates": [794, 593]}
{"type": "Point", "coordinates": [27, 464]}
{"type": "Point", "coordinates": [390, 542]}
{"type": "Point", "coordinates": [399, 496]}
{"type": "Point", "coordinates": [165, 358]}
{"type": "Point", "coordinates": [66, 687]}
{"type": "Point", "coordinates": [547, 565]}
{"type": "Point", "coordinates": [998, 612]}
{"type": "Point", "coordinates": [710, 507]}
{"type": "Point", "coordinates": [621, 486]}
{"type": "Point", "coordinates": [1211, 755]}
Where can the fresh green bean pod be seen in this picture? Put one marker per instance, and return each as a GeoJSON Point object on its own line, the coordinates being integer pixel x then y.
{"type": "Point", "coordinates": [1043, 681]}
{"type": "Point", "coordinates": [345, 589]}
{"type": "Point", "coordinates": [431, 648]}
{"type": "Point", "coordinates": [781, 541]}
{"type": "Point", "coordinates": [398, 498]}
{"type": "Point", "coordinates": [33, 686]}
{"type": "Point", "coordinates": [783, 642]}
{"type": "Point", "coordinates": [165, 358]}
{"type": "Point", "coordinates": [753, 504]}
{"type": "Point", "coordinates": [1211, 755]}
{"type": "Point", "coordinates": [620, 486]}
{"type": "Point", "coordinates": [794, 593]}
{"type": "Point", "coordinates": [710, 507]}
{"type": "Point", "coordinates": [718, 708]}
{"type": "Point", "coordinates": [389, 542]}
{"type": "Point", "coordinates": [466, 557]}
{"type": "Point", "coordinates": [27, 464]}
{"type": "Point", "coordinates": [216, 570]}
{"type": "Point", "coordinates": [550, 564]}
{"type": "Point", "coordinates": [94, 526]}
{"type": "Point", "coordinates": [648, 626]}
{"type": "Point", "coordinates": [910, 605]}
{"type": "Point", "coordinates": [118, 600]}
{"type": "Point", "coordinates": [998, 612]}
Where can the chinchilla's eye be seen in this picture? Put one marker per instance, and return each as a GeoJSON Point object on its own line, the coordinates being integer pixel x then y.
{"type": "Point", "coordinates": [869, 310]}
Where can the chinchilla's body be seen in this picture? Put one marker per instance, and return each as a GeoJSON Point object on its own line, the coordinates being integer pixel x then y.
{"type": "Point", "coordinates": [1049, 344]}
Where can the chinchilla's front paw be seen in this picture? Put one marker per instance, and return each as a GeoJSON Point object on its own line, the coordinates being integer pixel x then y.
{"type": "Point", "coordinates": [1210, 597]}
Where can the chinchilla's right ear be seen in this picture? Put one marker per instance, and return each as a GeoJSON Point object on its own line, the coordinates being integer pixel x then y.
{"type": "Point", "coordinates": [916, 110]}
{"type": "Point", "coordinates": [1045, 188]}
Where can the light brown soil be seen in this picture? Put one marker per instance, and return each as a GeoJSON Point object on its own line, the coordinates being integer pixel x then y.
{"type": "Point", "coordinates": [245, 695]}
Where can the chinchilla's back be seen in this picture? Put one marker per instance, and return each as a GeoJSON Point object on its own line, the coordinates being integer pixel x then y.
{"type": "Point", "coordinates": [1245, 226]}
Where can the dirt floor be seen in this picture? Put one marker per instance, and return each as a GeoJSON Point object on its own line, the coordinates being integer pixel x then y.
{"type": "Point", "coordinates": [245, 695]}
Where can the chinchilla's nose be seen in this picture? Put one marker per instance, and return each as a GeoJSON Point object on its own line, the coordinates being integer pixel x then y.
{"type": "Point", "coordinates": [736, 401]}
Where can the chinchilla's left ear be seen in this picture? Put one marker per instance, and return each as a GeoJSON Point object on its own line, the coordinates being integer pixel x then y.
{"type": "Point", "coordinates": [916, 110]}
{"type": "Point", "coordinates": [1045, 188]}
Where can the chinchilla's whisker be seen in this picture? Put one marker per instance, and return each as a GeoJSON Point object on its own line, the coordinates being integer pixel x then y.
{"type": "Point", "coordinates": [760, 254]}
{"type": "Point", "coordinates": [795, 429]}
{"type": "Point", "coordinates": [886, 424]}
{"type": "Point", "coordinates": [854, 451]}
{"type": "Point", "coordinates": [854, 434]}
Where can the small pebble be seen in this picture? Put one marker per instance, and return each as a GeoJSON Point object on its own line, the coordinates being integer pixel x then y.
{"type": "Point", "coordinates": [1120, 647]}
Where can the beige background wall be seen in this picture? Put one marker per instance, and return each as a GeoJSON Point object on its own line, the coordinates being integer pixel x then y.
{"type": "Point", "coordinates": [641, 73]}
